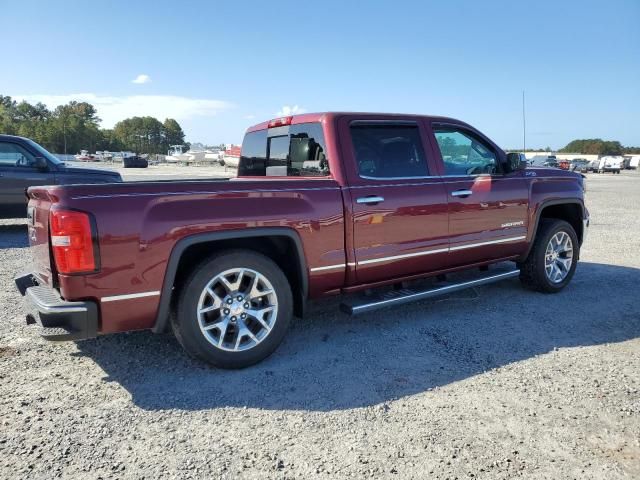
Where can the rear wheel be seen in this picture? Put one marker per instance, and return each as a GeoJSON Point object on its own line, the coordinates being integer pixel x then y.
{"type": "Point", "coordinates": [552, 261]}
{"type": "Point", "coordinates": [234, 309]}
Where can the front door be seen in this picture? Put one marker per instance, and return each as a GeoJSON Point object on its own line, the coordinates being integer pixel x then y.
{"type": "Point", "coordinates": [17, 173]}
{"type": "Point", "coordinates": [398, 207]}
{"type": "Point", "coordinates": [487, 208]}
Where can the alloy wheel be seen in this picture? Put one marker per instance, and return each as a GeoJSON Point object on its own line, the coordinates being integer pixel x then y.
{"type": "Point", "coordinates": [237, 309]}
{"type": "Point", "coordinates": [558, 257]}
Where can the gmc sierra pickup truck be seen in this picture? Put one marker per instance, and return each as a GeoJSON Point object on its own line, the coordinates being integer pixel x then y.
{"type": "Point", "coordinates": [323, 204]}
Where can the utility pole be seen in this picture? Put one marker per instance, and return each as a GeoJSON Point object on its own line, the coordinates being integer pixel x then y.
{"type": "Point", "coordinates": [524, 127]}
{"type": "Point", "coordinates": [64, 134]}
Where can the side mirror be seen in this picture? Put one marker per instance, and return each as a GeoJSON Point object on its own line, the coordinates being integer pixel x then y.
{"type": "Point", "coordinates": [41, 163]}
{"type": "Point", "coordinates": [516, 161]}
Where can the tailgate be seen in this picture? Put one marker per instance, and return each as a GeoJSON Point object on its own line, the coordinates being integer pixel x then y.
{"type": "Point", "coordinates": [38, 231]}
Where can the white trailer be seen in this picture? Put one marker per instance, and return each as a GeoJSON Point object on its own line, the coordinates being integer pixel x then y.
{"type": "Point", "coordinates": [610, 163]}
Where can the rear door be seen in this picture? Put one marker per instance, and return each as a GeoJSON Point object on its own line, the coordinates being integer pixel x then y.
{"type": "Point", "coordinates": [487, 207]}
{"type": "Point", "coordinates": [398, 206]}
{"type": "Point", "coordinates": [17, 173]}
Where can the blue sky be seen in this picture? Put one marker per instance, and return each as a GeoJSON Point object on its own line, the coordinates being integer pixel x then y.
{"type": "Point", "coordinates": [219, 67]}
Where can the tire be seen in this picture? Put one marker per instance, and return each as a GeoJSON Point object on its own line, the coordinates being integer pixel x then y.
{"type": "Point", "coordinates": [194, 329]}
{"type": "Point", "coordinates": [534, 271]}
{"type": "Point", "coordinates": [221, 162]}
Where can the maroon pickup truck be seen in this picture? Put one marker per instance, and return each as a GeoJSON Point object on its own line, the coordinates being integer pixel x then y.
{"type": "Point", "coordinates": [323, 204]}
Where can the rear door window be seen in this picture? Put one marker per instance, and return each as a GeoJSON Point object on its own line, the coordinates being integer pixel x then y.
{"type": "Point", "coordinates": [388, 150]}
{"type": "Point", "coordinates": [294, 151]}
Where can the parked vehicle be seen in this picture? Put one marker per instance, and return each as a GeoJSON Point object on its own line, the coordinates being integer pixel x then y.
{"type": "Point", "coordinates": [176, 155]}
{"type": "Point", "coordinates": [231, 157]}
{"type": "Point", "coordinates": [610, 164]}
{"type": "Point", "coordinates": [634, 162]}
{"type": "Point", "coordinates": [85, 156]}
{"type": "Point", "coordinates": [551, 161]}
{"type": "Point", "coordinates": [135, 161]}
{"type": "Point", "coordinates": [214, 156]}
{"type": "Point", "coordinates": [579, 165]}
{"type": "Point", "coordinates": [543, 161]}
{"type": "Point", "coordinates": [594, 166]}
{"type": "Point", "coordinates": [24, 163]}
{"type": "Point", "coordinates": [323, 204]}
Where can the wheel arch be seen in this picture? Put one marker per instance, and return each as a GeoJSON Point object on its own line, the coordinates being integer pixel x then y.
{"type": "Point", "coordinates": [278, 243]}
{"type": "Point", "coordinates": [569, 210]}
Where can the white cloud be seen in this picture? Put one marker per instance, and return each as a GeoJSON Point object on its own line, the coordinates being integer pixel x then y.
{"type": "Point", "coordinates": [142, 78]}
{"type": "Point", "coordinates": [287, 110]}
{"type": "Point", "coordinates": [249, 117]}
{"type": "Point", "coordinates": [113, 109]}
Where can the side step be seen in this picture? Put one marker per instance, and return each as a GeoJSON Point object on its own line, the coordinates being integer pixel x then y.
{"type": "Point", "coordinates": [406, 295]}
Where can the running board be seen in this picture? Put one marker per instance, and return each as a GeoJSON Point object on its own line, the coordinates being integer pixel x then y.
{"type": "Point", "coordinates": [406, 295]}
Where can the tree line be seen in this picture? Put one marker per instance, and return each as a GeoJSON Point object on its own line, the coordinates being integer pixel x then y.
{"type": "Point", "coordinates": [76, 126]}
{"type": "Point", "coordinates": [597, 146]}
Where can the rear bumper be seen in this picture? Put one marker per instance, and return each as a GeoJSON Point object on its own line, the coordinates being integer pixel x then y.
{"type": "Point", "coordinates": [58, 319]}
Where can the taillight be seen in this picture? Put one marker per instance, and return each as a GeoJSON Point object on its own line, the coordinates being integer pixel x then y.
{"type": "Point", "coordinates": [280, 122]}
{"type": "Point", "coordinates": [72, 241]}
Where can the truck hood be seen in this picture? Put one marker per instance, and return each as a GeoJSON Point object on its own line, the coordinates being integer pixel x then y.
{"type": "Point", "coordinates": [88, 171]}
{"type": "Point", "coordinates": [98, 174]}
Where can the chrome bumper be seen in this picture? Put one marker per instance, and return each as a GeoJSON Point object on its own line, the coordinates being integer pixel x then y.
{"type": "Point", "coordinates": [59, 320]}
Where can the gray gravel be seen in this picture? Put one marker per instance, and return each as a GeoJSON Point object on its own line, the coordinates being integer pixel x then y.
{"type": "Point", "coordinates": [162, 171]}
{"type": "Point", "coordinates": [496, 382]}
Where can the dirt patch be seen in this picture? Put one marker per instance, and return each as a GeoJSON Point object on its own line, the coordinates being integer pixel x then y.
{"type": "Point", "coordinates": [7, 352]}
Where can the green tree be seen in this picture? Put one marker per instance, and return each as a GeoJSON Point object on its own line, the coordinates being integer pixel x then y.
{"type": "Point", "coordinates": [75, 126]}
{"type": "Point", "coordinates": [173, 134]}
{"type": "Point", "coordinates": [593, 146]}
{"type": "Point", "coordinates": [141, 134]}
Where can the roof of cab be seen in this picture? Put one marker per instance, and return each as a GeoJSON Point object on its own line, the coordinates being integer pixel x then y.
{"type": "Point", "coordinates": [321, 116]}
{"type": "Point", "coordinates": [12, 137]}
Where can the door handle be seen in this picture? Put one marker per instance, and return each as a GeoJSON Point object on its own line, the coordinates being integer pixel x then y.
{"type": "Point", "coordinates": [461, 193]}
{"type": "Point", "coordinates": [370, 200]}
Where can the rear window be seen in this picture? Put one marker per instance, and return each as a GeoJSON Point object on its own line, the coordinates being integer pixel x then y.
{"type": "Point", "coordinates": [293, 151]}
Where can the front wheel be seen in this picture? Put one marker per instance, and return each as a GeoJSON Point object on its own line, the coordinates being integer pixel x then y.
{"type": "Point", "coordinates": [552, 260]}
{"type": "Point", "coordinates": [234, 309]}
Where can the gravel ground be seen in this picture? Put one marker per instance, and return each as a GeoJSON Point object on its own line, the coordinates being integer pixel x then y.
{"type": "Point", "coordinates": [496, 382]}
{"type": "Point", "coordinates": [162, 171]}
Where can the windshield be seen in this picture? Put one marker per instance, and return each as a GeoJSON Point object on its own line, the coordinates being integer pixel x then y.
{"type": "Point", "coordinates": [43, 152]}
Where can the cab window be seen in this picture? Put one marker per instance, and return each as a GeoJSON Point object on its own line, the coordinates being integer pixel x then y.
{"type": "Point", "coordinates": [463, 154]}
{"type": "Point", "coordinates": [388, 150]}
{"type": "Point", "coordinates": [13, 155]}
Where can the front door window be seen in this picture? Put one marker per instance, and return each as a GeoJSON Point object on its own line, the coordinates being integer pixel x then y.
{"type": "Point", "coordinates": [464, 155]}
{"type": "Point", "coordinates": [12, 155]}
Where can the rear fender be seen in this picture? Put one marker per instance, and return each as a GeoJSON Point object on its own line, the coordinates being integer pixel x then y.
{"type": "Point", "coordinates": [182, 245]}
